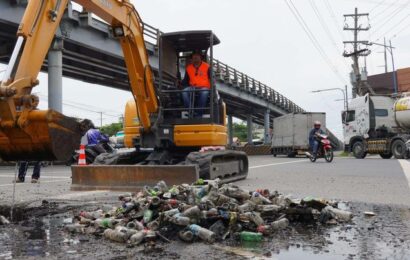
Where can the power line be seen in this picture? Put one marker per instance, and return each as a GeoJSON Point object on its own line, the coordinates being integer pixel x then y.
{"type": "Point", "coordinates": [326, 28]}
{"type": "Point", "coordinates": [389, 17]}
{"type": "Point", "coordinates": [377, 5]}
{"type": "Point", "coordinates": [334, 19]}
{"type": "Point", "coordinates": [392, 27]}
{"type": "Point", "coordinates": [312, 38]}
{"type": "Point", "coordinates": [383, 11]}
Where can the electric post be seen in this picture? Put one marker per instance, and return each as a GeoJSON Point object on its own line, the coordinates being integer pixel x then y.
{"type": "Point", "coordinates": [359, 81]}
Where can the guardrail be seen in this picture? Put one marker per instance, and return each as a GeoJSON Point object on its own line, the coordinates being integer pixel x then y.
{"type": "Point", "coordinates": [231, 77]}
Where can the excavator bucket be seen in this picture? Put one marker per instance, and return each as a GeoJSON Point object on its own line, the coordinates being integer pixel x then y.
{"type": "Point", "coordinates": [130, 177]}
{"type": "Point", "coordinates": [46, 136]}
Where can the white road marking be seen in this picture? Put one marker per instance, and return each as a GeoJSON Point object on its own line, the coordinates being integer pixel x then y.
{"type": "Point", "coordinates": [78, 194]}
{"type": "Point", "coordinates": [42, 176]}
{"type": "Point", "coordinates": [405, 165]}
{"type": "Point", "coordinates": [29, 183]}
{"type": "Point", "coordinates": [273, 164]}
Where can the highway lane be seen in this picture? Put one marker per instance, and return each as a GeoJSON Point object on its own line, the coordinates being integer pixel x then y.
{"type": "Point", "coordinates": [370, 180]}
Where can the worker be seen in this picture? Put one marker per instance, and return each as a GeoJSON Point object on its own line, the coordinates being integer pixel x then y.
{"type": "Point", "coordinates": [313, 142]}
{"type": "Point", "coordinates": [95, 139]}
{"type": "Point", "coordinates": [197, 77]}
{"type": "Point", "coordinates": [23, 167]}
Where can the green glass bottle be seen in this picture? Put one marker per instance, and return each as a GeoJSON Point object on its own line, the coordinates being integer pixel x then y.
{"type": "Point", "coordinates": [251, 236]}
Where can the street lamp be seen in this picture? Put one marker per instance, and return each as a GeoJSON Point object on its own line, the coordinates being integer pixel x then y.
{"type": "Point", "coordinates": [390, 49]}
{"type": "Point", "coordinates": [344, 91]}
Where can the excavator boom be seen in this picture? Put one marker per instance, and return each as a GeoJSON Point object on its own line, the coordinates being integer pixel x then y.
{"type": "Point", "coordinates": [30, 134]}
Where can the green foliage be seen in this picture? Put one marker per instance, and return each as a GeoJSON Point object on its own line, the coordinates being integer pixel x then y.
{"type": "Point", "coordinates": [111, 129]}
{"type": "Point", "coordinates": [240, 131]}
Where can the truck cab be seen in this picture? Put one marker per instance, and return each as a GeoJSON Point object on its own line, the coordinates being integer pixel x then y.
{"type": "Point", "coordinates": [369, 126]}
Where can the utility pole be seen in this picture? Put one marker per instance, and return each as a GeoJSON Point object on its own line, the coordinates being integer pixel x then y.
{"type": "Point", "coordinates": [385, 56]}
{"type": "Point", "coordinates": [359, 83]}
{"type": "Point", "coordinates": [394, 69]}
{"type": "Point", "coordinates": [389, 48]}
{"type": "Point", "coordinates": [101, 118]}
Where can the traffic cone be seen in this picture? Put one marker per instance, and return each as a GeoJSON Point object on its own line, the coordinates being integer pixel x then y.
{"type": "Point", "coordinates": [81, 158]}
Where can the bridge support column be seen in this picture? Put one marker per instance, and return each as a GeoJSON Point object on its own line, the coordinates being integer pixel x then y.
{"type": "Point", "coordinates": [55, 76]}
{"type": "Point", "coordinates": [249, 126]}
{"type": "Point", "coordinates": [267, 139]}
{"type": "Point", "coordinates": [230, 131]}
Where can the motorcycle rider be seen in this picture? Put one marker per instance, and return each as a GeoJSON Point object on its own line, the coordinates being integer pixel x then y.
{"type": "Point", "coordinates": [95, 139]}
{"type": "Point", "coordinates": [313, 141]}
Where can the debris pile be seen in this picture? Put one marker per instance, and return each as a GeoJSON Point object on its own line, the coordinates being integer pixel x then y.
{"type": "Point", "coordinates": [205, 211]}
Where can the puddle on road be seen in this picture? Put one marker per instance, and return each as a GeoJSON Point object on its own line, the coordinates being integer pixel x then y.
{"type": "Point", "coordinates": [386, 235]}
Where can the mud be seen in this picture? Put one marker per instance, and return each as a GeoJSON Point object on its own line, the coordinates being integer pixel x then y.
{"type": "Point", "coordinates": [38, 233]}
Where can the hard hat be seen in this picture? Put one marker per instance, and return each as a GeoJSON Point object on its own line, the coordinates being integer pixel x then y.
{"type": "Point", "coordinates": [317, 123]}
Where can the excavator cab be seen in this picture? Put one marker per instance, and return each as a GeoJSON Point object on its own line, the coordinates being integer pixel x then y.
{"type": "Point", "coordinates": [176, 50]}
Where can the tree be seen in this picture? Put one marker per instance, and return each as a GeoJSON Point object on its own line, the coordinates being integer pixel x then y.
{"type": "Point", "coordinates": [240, 131]}
{"type": "Point", "coordinates": [111, 129]}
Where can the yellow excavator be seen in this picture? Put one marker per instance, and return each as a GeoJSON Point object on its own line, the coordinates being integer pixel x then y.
{"type": "Point", "coordinates": [167, 136]}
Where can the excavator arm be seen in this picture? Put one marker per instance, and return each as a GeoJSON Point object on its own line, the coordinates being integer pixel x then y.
{"type": "Point", "coordinates": [30, 134]}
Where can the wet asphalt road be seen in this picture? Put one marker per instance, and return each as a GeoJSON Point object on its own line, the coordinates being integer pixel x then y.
{"type": "Point", "coordinates": [371, 180]}
{"type": "Point", "coordinates": [367, 185]}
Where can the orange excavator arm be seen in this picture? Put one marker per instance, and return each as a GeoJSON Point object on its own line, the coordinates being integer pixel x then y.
{"type": "Point", "coordinates": [26, 133]}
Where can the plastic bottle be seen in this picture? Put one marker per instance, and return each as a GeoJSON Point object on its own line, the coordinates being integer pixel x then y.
{"type": "Point", "coordinates": [251, 236]}
{"type": "Point", "coordinates": [171, 212]}
{"type": "Point", "coordinates": [252, 216]}
{"type": "Point", "coordinates": [91, 215]}
{"type": "Point", "coordinates": [258, 199]}
{"type": "Point", "coordinates": [153, 225]}
{"type": "Point", "coordinates": [265, 229]}
{"type": "Point", "coordinates": [268, 208]}
{"type": "Point", "coordinates": [125, 230]}
{"type": "Point", "coordinates": [180, 220]}
{"type": "Point", "coordinates": [115, 235]}
{"type": "Point", "coordinates": [280, 224]}
{"type": "Point", "coordinates": [138, 237]}
{"type": "Point", "coordinates": [247, 206]}
{"type": "Point", "coordinates": [341, 215]}
{"type": "Point", "coordinates": [135, 225]}
{"type": "Point", "coordinates": [202, 233]}
{"type": "Point", "coordinates": [235, 192]}
{"type": "Point", "coordinates": [155, 201]}
{"type": "Point", "coordinates": [105, 222]}
{"type": "Point", "coordinates": [192, 212]}
{"type": "Point", "coordinates": [186, 235]}
{"type": "Point", "coordinates": [148, 215]}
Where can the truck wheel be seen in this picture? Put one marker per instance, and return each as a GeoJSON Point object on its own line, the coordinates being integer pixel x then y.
{"type": "Point", "coordinates": [399, 149]}
{"type": "Point", "coordinates": [386, 155]}
{"type": "Point", "coordinates": [359, 150]}
{"type": "Point", "coordinates": [292, 155]}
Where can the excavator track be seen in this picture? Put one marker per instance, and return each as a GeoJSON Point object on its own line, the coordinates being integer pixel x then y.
{"type": "Point", "coordinates": [226, 165]}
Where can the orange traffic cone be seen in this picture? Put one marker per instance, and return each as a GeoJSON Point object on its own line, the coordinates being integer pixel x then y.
{"type": "Point", "coordinates": [81, 158]}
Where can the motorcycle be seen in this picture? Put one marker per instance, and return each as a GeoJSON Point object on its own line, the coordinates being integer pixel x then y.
{"type": "Point", "coordinates": [90, 153]}
{"type": "Point", "coordinates": [325, 149]}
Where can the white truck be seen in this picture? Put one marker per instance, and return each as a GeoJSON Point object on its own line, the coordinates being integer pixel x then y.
{"type": "Point", "coordinates": [291, 133]}
{"type": "Point", "coordinates": [377, 125]}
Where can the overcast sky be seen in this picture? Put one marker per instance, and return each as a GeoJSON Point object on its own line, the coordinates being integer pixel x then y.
{"type": "Point", "coordinates": [264, 39]}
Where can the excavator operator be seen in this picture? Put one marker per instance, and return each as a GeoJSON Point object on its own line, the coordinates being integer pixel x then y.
{"type": "Point", "coordinates": [197, 76]}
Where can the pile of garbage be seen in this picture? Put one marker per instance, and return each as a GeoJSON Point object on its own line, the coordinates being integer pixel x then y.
{"type": "Point", "coordinates": [205, 211]}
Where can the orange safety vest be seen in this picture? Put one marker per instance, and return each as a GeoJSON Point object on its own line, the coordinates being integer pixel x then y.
{"type": "Point", "coordinates": [198, 77]}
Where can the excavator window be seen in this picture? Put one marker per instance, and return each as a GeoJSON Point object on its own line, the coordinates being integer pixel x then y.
{"type": "Point", "coordinates": [175, 54]}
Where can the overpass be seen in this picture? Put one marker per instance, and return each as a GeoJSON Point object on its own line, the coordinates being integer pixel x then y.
{"type": "Point", "coordinates": [85, 50]}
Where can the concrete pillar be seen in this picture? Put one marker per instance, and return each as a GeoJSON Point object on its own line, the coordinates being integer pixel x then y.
{"type": "Point", "coordinates": [267, 136]}
{"type": "Point", "coordinates": [55, 76]}
{"type": "Point", "coordinates": [249, 126]}
{"type": "Point", "coordinates": [230, 130]}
